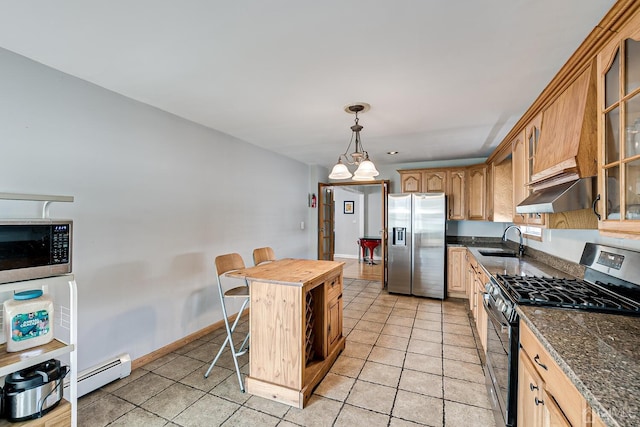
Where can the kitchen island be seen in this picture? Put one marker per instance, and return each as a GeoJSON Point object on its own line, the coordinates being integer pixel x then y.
{"type": "Point", "coordinates": [295, 321]}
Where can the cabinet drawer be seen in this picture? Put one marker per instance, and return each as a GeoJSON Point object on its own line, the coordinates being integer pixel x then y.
{"type": "Point", "coordinates": [569, 399]}
{"type": "Point", "coordinates": [333, 288]}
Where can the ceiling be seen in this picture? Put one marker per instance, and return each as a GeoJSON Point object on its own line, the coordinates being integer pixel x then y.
{"type": "Point", "coordinates": [445, 79]}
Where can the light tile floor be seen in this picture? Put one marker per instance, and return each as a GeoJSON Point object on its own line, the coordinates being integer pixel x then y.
{"type": "Point", "coordinates": [408, 362]}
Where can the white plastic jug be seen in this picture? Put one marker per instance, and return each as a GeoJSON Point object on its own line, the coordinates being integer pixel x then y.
{"type": "Point", "coordinates": [28, 320]}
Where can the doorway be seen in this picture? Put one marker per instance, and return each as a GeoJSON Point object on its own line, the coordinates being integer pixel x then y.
{"type": "Point", "coordinates": [349, 212]}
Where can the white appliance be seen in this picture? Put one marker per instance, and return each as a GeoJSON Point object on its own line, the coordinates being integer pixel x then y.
{"type": "Point", "coordinates": [417, 244]}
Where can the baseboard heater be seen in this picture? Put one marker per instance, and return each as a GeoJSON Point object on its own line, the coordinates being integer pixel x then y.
{"type": "Point", "coordinates": [98, 376]}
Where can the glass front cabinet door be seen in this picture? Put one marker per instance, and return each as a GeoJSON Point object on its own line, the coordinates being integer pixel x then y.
{"type": "Point", "coordinates": [618, 205]}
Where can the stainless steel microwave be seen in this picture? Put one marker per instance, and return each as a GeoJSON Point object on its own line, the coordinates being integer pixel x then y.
{"type": "Point", "coordinates": [34, 248]}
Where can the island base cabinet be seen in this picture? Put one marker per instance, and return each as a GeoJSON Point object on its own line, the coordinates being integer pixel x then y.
{"type": "Point", "coordinates": [296, 336]}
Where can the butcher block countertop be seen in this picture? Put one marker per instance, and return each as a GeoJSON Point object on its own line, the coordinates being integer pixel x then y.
{"type": "Point", "coordinates": [290, 271]}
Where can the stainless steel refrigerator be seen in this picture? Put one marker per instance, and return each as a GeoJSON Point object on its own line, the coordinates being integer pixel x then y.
{"type": "Point", "coordinates": [417, 244]}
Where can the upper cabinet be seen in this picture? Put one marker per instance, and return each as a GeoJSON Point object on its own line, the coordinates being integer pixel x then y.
{"type": "Point", "coordinates": [464, 200]}
{"type": "Point", "coordinates": [499, 190]}
{"type": "Point", "coordinates": [520, 175]}
{"type": "Point", "coordinates": [411, 182]}
{"type": "Point", "coordinates": [566, 149]}
{"type": "Point", "coordinates": [619, 131]}
{"type": "Point", "coordinates": [477, 192]}
{"type": "Point", "coordinates": [456, 195]}
{"type": "Point", "coordinates": [434, 181]}
{"type": "Point", "coordinates": [533, 158]}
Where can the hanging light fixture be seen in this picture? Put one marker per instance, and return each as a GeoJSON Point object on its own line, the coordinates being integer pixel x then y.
{"type": "Point", "coordinates": [366, 169]}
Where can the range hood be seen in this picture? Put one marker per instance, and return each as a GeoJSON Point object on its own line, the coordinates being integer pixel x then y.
{"type": "Point", "coordinates": [569, 196]}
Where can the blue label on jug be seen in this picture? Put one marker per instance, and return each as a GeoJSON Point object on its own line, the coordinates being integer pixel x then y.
{"type": "Point", "coordinates": [25, 326]}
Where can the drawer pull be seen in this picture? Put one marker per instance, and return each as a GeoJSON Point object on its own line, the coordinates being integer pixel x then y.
{"type": "Point", "coordinates": [538, 401]}
{"type": "Point", "coordinates": [542, 365]}
{"type": "Point", "coordinates": [532, 387]}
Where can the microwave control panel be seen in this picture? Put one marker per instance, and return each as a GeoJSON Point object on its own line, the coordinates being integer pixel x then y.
{"type": "Point", "coordinates": [60, 243]}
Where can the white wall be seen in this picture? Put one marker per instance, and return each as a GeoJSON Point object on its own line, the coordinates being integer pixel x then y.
{"type": "Point", "coordinates": [156, 199]}
{"type": "Point", "coordinates": [348, 227]}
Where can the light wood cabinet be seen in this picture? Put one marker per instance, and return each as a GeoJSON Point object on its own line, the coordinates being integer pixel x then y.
{"type": "Point", "coordinates": [596, 421]}
{"type": "Point", "coordinates": [465, 187]}
{"type": "Point", "coordinates": [499, 191]}
{"type": "Point", "coordinates": [532, 138]}
{"type": "Point", "coordinates": [546, 397]}
{"type": "Point", "coordinates": [481, 317]}
{"type": "Point", "coordinates": [411, 182]}
{"type": "Point", "coordinates": [434, 181]}
{"type": "Point", "coordinates": [476, 280]}
{"type": "Point", "coordinates": [535, 406]}
{"type": "Point", "coordinates": [295, 325]}
{"type": "Point", "coordinates": [567, 146]}
{"type": "Point", "coordinates": [470, 281]}
{"type": "Point", "coordinates": [477, 192]}
{"type": "Point", "coordinates": [334, 323]}
{"type": "Point", "coordinates": [456, 271]}
{"type": "Point", "coordinates": [456, 194]}
{"type": "Point", "coordinates": [333, 296]}
{"type": "Point", "coordinates": [618, 71]}
{"type": "Point", "coordinates": [520, 174]}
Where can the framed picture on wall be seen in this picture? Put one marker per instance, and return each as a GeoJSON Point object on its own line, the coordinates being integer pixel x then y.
{"type": "Point", "coordinates": [348, 206]}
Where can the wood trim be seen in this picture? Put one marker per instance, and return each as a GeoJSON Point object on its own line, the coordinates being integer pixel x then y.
{"type": "Point", "coordinates": [163, 351]}
{"type": "Point", "coordinates": [599, 37]}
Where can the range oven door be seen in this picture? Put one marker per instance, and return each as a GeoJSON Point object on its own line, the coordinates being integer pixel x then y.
{"type": "Point", "coordinates": [502, 363]}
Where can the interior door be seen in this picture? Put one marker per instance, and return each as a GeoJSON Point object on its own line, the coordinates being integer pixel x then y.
{"type": "Point", "coordinates": [326, 222]}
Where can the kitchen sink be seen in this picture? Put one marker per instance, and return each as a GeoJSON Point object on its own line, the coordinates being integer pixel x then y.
{"type": "Point", "coordinates": [498, 252]}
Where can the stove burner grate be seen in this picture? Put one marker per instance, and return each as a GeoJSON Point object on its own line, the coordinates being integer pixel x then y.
{"type": "Point", "coordinates": [568, 293]}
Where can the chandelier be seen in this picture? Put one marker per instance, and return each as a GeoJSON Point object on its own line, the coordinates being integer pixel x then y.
{"type": "Point", "coordinates": [366, 169]}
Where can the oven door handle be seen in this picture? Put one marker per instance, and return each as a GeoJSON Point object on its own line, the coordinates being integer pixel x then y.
{"type": "Point", "coordinates": [489, 310]}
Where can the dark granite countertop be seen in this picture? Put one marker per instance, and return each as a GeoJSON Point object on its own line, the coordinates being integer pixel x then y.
{"type": "Point", "coordinates": [598, 352]}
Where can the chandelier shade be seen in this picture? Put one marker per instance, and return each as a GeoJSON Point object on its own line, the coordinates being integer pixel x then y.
{"type": "Point", "coordinates": [366, 170]}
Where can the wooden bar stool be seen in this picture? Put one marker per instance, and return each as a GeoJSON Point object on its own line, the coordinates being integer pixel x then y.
{"type": "Point", "coordinates": [261, 255]}
{"type": "Point", "coordinates": [225, 264]}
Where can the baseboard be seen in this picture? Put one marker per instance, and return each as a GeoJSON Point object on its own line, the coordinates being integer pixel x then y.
{"type": "Point", "coordinates": [163, 351]}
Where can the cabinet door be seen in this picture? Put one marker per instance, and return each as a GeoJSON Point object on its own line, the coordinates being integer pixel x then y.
{"type": "Point", "coordinates": [530, 386]}
{"type": "Point", "coordinates": [334, 331]}
{"type": "Point", "coordinates": [482, 317]}
{"type": "Point", "coordinates": [471, 285]}
{"type": "Point", "coordinates": [477, 192]}
{"type": "Point", "coordinates": [520, 175]}
{"type": "Point", "coordinates": [500, 198]}
{"type": "Point", "coordinates": [532, 133]}
{"type": "Point", "coordinates": [619, 131]}
{"type": "Point", "coordinates": [456, 271]}
{"type": "Point", "coordinates": [456, 194]}
{"type": "Point", "coordinates": [434, 181]}
{"type": "Point", "coordinates": [411, 182]}
{"type": "Point", "coordinates": [552, 415]}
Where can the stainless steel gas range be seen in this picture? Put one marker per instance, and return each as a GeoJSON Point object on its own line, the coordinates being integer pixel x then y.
{"type": "Point", "coordinates": [610, 285]}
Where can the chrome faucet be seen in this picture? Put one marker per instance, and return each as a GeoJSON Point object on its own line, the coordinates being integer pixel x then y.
{"type": "Point", "coordinates": [521, 246]}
